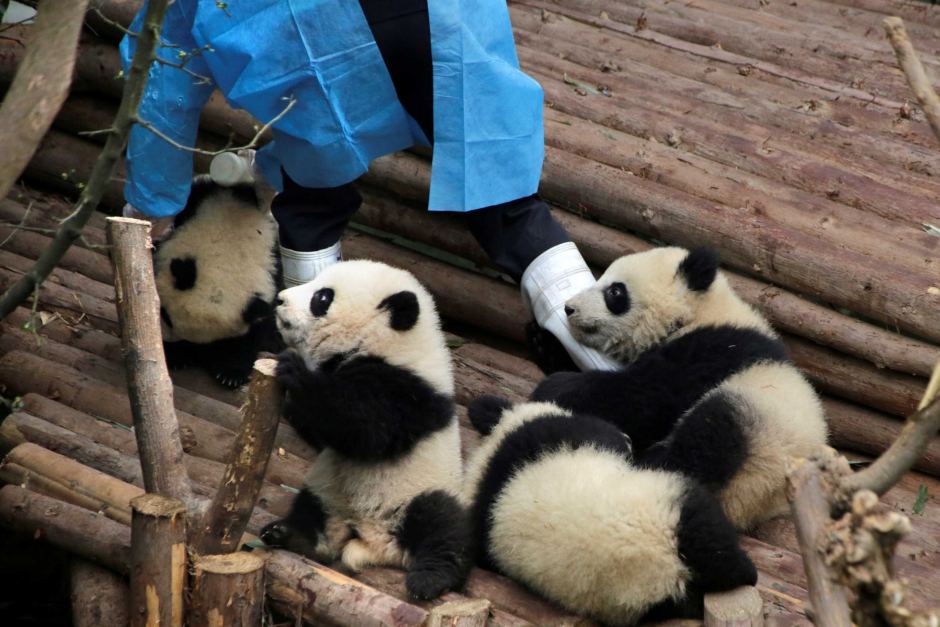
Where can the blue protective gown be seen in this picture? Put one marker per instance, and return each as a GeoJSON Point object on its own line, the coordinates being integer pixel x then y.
{"type": "Point", "coordinates": [488, 136]}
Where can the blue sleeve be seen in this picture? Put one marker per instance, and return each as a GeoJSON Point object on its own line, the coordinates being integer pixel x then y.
{"type": "Point", "coordinates": [158, 174]}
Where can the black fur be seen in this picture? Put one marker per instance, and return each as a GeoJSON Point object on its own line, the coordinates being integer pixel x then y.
{"type": "Point", "coordinates": [184, 273]}
{"type": "Point", "coordinates": [699, 269]}
{"type": "Point", "coordinates": [204, 188]}
{"type": "Point", "coordinates": [364, 408]}
{"type": "Point", "coordinates": [320, 302]}
{"type": "Point", "coordinates": [525, 445]}
{"type": "Point", "coordinates": [648, 396]}
{"type": "Point", "coordinates": [257, 309]}
{"type": "Point", "coordinates": [301, 529]}
{"type": "Point", "coordinates": [485, 411]}
{"type": "Point", "coordinates": [229, 360]}
{"type": "Point", "coordinates": [708, 544]}
{"type": "Point", "coordinates": [404, 310]}
{"type": "Point", "coordinates": [166, 318]}
{"type": "Point", "coordinates": [617, 298]}
{"type": "Point", "coordinates": [709, 443]}
{"type": "Point", "coordinates": [546, 351]}
{"type": "Point", "coordinates": [436, 534]}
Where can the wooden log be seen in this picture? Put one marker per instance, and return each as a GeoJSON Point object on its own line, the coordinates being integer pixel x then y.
{"type": "Point", "coordinates": [83, 261]}
{"type": "Point", "coordinates": [318, 594]}
{"type": "Point", "coordinates": [811, 513]}
{"type": "Point", "coordinates": [44, 210]}
{"type": "Point", "coordinates": [794, 137]}
{"type": "Point", "coordinates": [78, 530]}
{"type": "Point", "coordinates": [151, 391]}
{"type": "Point", "coordinates": [409, 176]}
{"type": "Point", "coordinates": [68, 279]}
{"type": "Point", "coordinates": [736, 608]}
{"type": "Point", "coordinates": [205, 475]}
{"type": "Point", "coordinates": [69, 480]}
{"type": "Point", "coordinates": [23, 373]}
{"type": "Point", "coordinates": [104, 370]}
{"type": "Point", "coordinates": [917, 79]}
{"type": "Point", "coordinates": [99, 597]}
{"type": "Point", "coordinates": [220, 530]}
{"type": "Point", "coordinates": [227, 590]}
{"type": "Point", "coordinates": [68, 302]}
{"type": "Point", "coordinates": [157, 561]}
{"type": "Point", "coordinates": [40, 85]}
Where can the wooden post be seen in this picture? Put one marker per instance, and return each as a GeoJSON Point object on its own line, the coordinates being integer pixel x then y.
{"type": "Point", "coordinates": [227, 590]}
{"type": "Point", "coordinates": [741, 607]}
{"type": "Point", "coordinates": [99, 597]}
{"type": "Point", "coordinates": [221, 528]}
{"type": "Point", "coordinates": [811, 514]}
{"type": "Point", "coordinates": [149, 385]}
{"type": "Point", "coordinates": [158, 561]}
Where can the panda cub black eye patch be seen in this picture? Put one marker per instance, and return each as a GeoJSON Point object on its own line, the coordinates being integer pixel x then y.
{"type": "Point", "coordinates": [617, 298]}
{"type": "Point", "coordinates": [321, 301]}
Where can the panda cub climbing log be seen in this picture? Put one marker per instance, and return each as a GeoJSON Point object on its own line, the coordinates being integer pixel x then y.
{"type": "Point", "coordinates": [707, 388]}
{"type": "Point", "coordinates": [217, 274]}
{"type": "Point", "coordinates": [557, 505]}
{"type": "Point", "coordinates": [368, 382]}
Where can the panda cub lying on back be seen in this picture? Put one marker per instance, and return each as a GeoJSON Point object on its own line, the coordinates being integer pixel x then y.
{"type": "Point", "coordinates": [707, 388]}
{"type": "Point", "coordinates": [217, 275]}
{"type": "Point", "coordinates": [368, 381]}
{"type": "Point", "coordinates": [557, 505]}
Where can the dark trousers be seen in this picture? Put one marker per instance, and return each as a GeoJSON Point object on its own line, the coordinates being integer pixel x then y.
{"type": "Point", "coordinates": [512, 234]}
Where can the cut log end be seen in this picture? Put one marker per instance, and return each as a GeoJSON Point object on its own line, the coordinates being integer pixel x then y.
{"type": "Point", "coordinates": [266, 367]}
{"type": "Point", "coordinates": [462, 613]}
{"type": "Point", "coordinates": [228, 564]}
{"type": "Point", "coordinates": [741, 607]}
{"type": "Point", "coordinates": [118, 221]}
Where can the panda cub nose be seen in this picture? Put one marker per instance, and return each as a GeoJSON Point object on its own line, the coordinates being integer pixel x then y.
{"type": "Point", "coordinates": [569, 310]}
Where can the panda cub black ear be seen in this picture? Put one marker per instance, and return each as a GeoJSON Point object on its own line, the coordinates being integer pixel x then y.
{"type": "Point", "coordinates": [699, 268]}
{"type": "Point", "coordinates": [485, 411]}
{"type": "Point", "coordinates": [404, 310]}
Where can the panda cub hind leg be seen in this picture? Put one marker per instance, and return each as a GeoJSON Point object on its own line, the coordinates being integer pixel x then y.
{"type": "Point", "coordinates": [436, 535]}
{"type": "Point", "coordinates": [307, 529]}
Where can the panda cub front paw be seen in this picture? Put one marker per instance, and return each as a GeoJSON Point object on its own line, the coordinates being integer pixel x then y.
{"type": "Point", "coordinates": [281, 535]}
{"type": "Point", "coordinates": [291, 370]}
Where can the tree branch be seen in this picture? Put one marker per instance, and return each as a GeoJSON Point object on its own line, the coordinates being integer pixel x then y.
{"type": "Point", "coordinates": [40, 86]}
{"type": "Point", "coordinates": [72, 226]}
{"type": "Point", "coordinates": [914, 71]}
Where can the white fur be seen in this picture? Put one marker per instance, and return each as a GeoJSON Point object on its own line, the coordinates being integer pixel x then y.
{"type": "Point", "coordinates": [787, 418]}
{"type": "Point", "coordinates": [221, 236]}
{"type": "Point", "coordinates": [584, 527]}
{"type": "Point", "coordinates": [372, 497]}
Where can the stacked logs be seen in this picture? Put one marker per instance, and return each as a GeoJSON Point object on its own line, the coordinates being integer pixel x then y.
{"type": "Point", "coordinates": [686, 126]}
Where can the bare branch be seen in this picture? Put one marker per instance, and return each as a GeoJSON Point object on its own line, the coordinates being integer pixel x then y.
{"type": "Point", "coordinates": [291, 101]}
{"type": "Point", "coordinates": [909, 446]}
{"type": "Point", "coordinates": [71, 228]}
{"type": "Point", "coordinates": [914, 71]}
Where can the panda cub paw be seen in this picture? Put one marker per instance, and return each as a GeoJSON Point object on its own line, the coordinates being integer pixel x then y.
{"type": "Point", "coordinates": [291, 372]}
{"type": "Point", "coordinates": [280, 534]}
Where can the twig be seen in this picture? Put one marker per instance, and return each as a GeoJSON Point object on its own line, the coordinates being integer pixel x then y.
{"type": "Point", "coordinates": [72, 226]}
{"type": "Point", "coordinates": [291, 101]}
{"type": "Point", "coordinates": [906, 449]}
{"type": "Point", "coordinates": [914, 72]}
{"type": "Point", "coordinates": [16, 227]}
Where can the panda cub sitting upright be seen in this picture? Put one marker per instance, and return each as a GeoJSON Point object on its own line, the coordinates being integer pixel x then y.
{"type": "Point", "coordinates": [368, 382]}
{"type": "Point", "coordinates": [707, 387]}
{"type": "Point", "coordinates": [557, 505]}
{"type": "Point", "coordinates": [217, 275]}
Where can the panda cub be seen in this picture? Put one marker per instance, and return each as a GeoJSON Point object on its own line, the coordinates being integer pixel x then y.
{"type": "Point", "coordinates": [556, 504]}
{"type": "Point", "coordinates": [217, 275]}
{"type": "Point", "coordinates": [368, 382]}
{"type": "Point", "coordinates": [707, 387]}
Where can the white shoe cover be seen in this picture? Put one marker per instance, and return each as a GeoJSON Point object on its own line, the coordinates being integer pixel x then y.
{"type": "Point", "coordinates": [555, 276]}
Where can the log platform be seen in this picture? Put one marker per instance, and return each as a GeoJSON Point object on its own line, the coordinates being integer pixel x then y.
{"type": "Point", "coordinates": [783, 134]}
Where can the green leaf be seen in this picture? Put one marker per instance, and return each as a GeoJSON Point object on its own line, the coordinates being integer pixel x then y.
{"type": "Point", "coordinates": [254, 544]}
{"type": "Point", "coordinates": [288, 488]}
{"type": "Point", "coordinates": [455, 342]}
{"type": "Point", "coordinates": [921, 501]}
